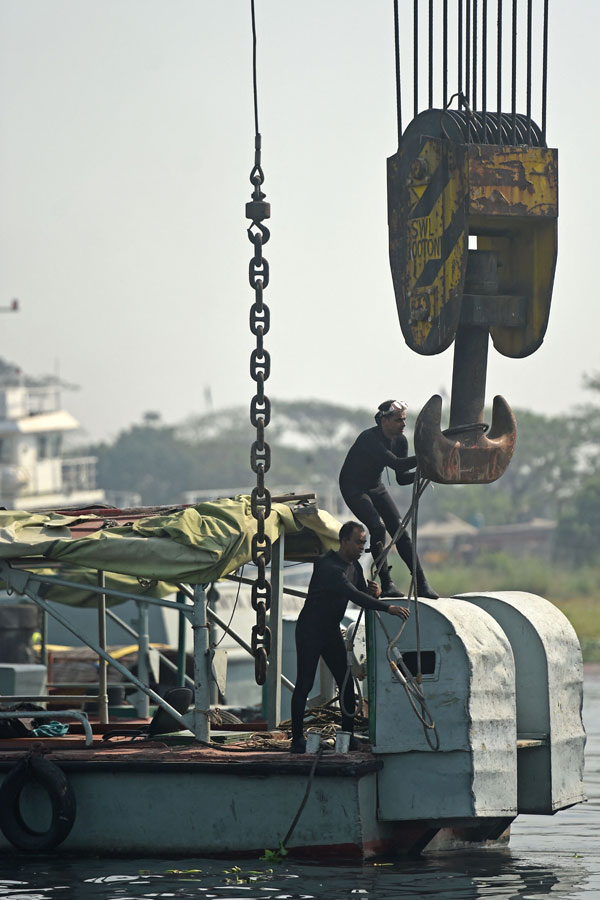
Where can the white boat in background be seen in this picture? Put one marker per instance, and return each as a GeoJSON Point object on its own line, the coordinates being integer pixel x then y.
{"type": "Point", "coordinates": [33, 472]}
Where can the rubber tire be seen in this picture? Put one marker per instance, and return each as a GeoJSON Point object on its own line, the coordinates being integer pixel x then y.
{"type": "Point", "coordinates": [62, 798]}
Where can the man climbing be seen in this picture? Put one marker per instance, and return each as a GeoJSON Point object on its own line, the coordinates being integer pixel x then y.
{"type": "Point", "coordinates": [365, 495]}
{"type": "Point", "coordinates": [337, 578]}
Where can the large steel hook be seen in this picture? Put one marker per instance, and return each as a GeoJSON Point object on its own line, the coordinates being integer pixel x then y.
{"type": "Point", "coordinates": [464, 454]}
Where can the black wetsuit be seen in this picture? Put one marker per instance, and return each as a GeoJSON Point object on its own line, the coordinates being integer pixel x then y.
{"type": "Point", "coordinates": [364, 492]}
{"type": "Point", "coordinates": [334, 582]}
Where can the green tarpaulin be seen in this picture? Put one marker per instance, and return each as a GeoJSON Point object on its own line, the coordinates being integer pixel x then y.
{"type": "Point", "coordinates": [195, 545]}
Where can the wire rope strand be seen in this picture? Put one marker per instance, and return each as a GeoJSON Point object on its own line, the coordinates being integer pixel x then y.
{"type": "Point", "coordinates": [415, 505]}
{"type": "Point", "coordinates": [416, 56]}
{"type": "Point", "coordinates": [398, 82]}
{"type": "Point", "coordinates": [529, 41]}
{"type": "Point", "coordinates": [378, 564]}
{"type": "Point", "coordinates": [305, 798]}
{"type": "Point", "coordinates": [499, 72]}
{"type": "Point", "coordinates": [474, 104]}
{"type": "Point", "coordinates": [237, 597]}
{"type": "Point", "coordinates": [514, 72]}
{"type": "Point", "coordinates": [253, 14]}
{"type": "Point", "coordinates": [484, 67]}
{"type": "Point", "coordinates": [468, 51]}
{"type": "Point", "coordinates": [445, 55]}
{"type": "Point", "coordinates": [459, 58]}
{"type": "Point", "coordinates": [430, 54]}
{"type": "Point", "coordinates": [545, 71]}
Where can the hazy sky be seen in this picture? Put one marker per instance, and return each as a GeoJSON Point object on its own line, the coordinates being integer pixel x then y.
{"type": "Point", "coordinates": [125, 150]}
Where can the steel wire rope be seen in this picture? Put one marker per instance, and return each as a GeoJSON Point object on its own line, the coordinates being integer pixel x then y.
{"type": "Point", "coordinates": [349, 651]}
{"type": "Point", "coordinates": [398, 81]}
{"type": "Point", "coordinates": [412, 685]}
{"type": "Point", "coordinates": [413, 690]}
{"type": "Point", "coordinates": [376, 568]}
{"type": "Point", "coordinates": [305, 798]}
{"type": "Point", "coordinates": [237, 597]}
{"type": "Point", "coordinates": [413, 583]}
{"type": "Point", "coordinates": [378, 564]}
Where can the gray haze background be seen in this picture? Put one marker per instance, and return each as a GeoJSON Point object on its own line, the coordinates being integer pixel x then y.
{"type": "Point", "coordinates": [126, 145]}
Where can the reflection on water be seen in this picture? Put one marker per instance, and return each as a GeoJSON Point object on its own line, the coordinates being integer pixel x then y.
{"type": "Point", "coordinates": [557, 858]}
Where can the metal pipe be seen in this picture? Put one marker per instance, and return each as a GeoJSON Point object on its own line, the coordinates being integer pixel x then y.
{"type": "Point", "coordinates": [181, 654]}
{"type": "Point", "coordinates": [291, 591]}
{"type": "Point", "coordinates": [102, 664]}
{"type": "Point", "coordinates": [94, 589]}
{"type": "Point", "coordinates": [212, 595]}
{"type": "Point", "coordinates": [201, 667]}
{"type": "Point", "coordinates": [19, 581]}
{"type": "Point", "coordinates": [469, 371]}
{"type": "Point", "coordinates": [165, 659]}
{"type": "Point", "coordinates": [141, 703]}
{"type": "Point", "coordinates": [55, 714]}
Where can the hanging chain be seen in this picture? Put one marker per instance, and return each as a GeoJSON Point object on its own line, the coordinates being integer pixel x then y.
{"type": "Point", "coordinates": [260, 407]}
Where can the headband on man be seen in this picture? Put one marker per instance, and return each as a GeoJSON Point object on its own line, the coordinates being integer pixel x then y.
{"type": "Point", "coordinates": [388, 407]}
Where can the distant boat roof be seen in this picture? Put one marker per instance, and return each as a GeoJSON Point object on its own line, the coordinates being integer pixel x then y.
{"type": "Point", "coordinates": [58, 420]}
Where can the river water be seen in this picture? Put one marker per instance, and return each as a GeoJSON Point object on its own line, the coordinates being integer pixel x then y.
{"type": "Point", "coordinates": [556, 857]}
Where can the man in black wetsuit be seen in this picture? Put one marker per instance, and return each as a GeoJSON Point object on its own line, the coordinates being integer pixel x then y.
{"type": "Point", "coordinates": [337, 578]}
{"type": "Point", "coordinates": [364, 493]}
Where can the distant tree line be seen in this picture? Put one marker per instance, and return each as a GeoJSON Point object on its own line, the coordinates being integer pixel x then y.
{"type": "Point", "coordinates": [554, 474]}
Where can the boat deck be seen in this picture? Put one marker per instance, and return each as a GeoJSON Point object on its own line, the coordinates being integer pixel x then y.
{"type": "Point", "coordinates": [144, 755]}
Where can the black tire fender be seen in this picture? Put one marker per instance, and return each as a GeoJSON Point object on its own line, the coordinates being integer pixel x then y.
{"type": "Point", "coordinates": [61, 795]}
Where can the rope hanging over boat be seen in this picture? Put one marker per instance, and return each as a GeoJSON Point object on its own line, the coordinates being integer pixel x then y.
{"type": "Point", "coordinates": [257, 210]}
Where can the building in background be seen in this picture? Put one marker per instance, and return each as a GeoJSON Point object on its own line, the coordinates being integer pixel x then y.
{"type": "Point", "coordinates": [33, 472]}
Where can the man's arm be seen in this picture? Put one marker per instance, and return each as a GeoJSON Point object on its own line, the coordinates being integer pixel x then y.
{"type": "Point", "coordinates": [404, 462]}
{"type": "Point", "coordinates": [337, 581]}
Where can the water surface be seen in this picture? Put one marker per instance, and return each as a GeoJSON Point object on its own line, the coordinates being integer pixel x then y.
{"type": "Point", "coordinates": [556, 857]}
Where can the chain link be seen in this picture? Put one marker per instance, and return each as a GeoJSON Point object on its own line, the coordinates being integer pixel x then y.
{"type": "Point", "coordinates": [260, 415]}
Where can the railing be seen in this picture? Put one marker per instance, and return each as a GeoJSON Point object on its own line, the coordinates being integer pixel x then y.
{"type": "Point", "coordinates": [33, 585]}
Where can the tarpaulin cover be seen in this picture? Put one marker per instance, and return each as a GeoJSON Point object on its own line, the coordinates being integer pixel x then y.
{"type": "Point", "coordinates": [195, 545]}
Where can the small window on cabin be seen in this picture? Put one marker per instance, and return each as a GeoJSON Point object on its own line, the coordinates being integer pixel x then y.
{"type": "Point", "coordinates": [5, 450]}
{"type": "Point", "coordinates": [55, 445]}
{"type": "Point", "coordinates": [43, 446]}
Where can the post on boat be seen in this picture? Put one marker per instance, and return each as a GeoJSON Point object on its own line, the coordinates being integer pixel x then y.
{"type": "Point", "coordinates": [200, 627]}
{"type": "Point", "coordinates": [142, 703]}
{"type": "Point", "coordinates": [102, 664]}
{"type": "Point", "coordinates": [181, 656]}
{"type": "Point", "coordinates": [275, 616]}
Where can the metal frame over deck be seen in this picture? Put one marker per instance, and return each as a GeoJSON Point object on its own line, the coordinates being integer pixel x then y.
{"type": "Point", "coordinates": [33, 585]}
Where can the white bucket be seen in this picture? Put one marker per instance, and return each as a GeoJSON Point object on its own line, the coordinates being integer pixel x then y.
{"type": "Point", "coordinates": [342, 741]}
{"type": "Point", "coordinates": [313, 741]}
